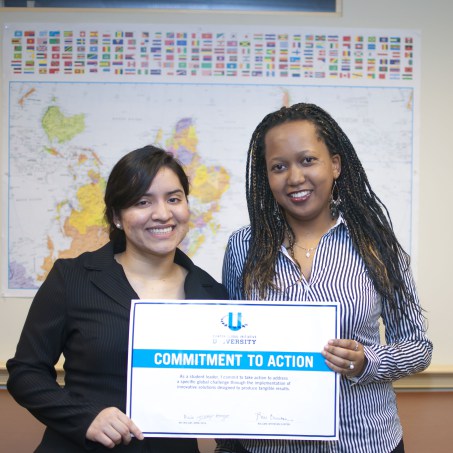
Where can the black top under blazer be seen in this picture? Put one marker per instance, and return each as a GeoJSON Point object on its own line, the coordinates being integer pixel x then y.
{"type": "Point", "coordinates": [82, 310]}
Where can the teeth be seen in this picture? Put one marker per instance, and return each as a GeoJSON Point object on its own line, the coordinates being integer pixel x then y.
{"type": "Point", "coordinates": [302, 193]}
{"type": "Point", "coordinates": [160, 230]}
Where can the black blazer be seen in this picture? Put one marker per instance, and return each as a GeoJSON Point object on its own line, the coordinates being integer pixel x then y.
{"type": "Point", "coordinates": [82, 311]}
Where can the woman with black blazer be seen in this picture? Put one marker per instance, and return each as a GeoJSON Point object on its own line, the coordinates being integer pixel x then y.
{"type": "Point", "coordinates": [82, 312]}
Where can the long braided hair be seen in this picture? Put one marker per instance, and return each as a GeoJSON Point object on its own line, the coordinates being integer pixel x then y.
{"type": "Point", "coordinates": [366, 216]}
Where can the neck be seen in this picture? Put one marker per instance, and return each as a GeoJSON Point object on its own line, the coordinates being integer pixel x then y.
{"type": "Point", "coordinates": [150, 266]}
{"type": "Point", "coordinates": [308, 233]}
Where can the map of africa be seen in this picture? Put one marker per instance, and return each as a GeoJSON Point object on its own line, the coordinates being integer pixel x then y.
{"type": "Point", "coordinates": [64, 138]}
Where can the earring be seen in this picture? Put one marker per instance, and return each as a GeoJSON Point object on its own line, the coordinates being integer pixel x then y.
{"type": "Point", "coordinates": [118, 225]}
{"type": "Point", "coordinates": [335, 201]}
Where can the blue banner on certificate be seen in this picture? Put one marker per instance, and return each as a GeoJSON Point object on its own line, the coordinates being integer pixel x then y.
{"type": "Point", "coordinates": [238, 369]}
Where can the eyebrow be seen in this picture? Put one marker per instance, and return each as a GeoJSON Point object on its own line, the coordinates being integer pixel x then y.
{"type": "Point", "coordinates": [302, 152]}
{"type": "Point", "coordinates": [172, 192]}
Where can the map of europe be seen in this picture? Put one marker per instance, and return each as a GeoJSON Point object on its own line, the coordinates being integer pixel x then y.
{"type": "Point", "coordinates": [64, 138]}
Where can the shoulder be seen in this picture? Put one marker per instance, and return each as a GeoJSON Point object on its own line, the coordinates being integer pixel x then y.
{"type": "Point", "coordinates": [240, 237]}
{"type": "Point", "coordinates": [238, 245]}
{"type": "Point", "coordinates": [199, 283]}
{"type": "Point", "coordinates": [95, 260]}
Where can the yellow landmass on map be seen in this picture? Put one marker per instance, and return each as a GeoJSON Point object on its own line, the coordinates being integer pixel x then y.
{"type": "Point", "coordinates": [209, 183]}
{"type": "Point", "coordinates": [91, 212]}
{"type": "Point", "coordinates": [85, 225]}
{"type": "Point", "coordinates": [52, 151]}
{"type": "Point", "coordinates": [60, 127]}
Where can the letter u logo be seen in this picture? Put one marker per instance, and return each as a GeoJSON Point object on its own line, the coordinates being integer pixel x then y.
{"type": "Point", "coordinates": [238, 325]}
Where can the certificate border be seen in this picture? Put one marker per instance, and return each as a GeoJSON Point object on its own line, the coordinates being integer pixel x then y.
{"type": "Point", "coordinates": [135, 303]}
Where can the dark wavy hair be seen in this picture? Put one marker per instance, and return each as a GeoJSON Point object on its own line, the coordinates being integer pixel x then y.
{"type": "Point", "coordinates": [130, 179]}
{"type": "Point", "coordinates": [366, 216]}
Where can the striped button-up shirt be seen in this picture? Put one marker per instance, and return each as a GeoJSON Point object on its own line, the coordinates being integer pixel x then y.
{"type": "Point", "coordinates": [369, 421]}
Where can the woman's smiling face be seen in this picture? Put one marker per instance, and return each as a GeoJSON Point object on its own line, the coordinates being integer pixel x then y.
{"type": "Point", "coordinates": [300, 170]}
{"type": "Point", "coordinates": [158, 222]}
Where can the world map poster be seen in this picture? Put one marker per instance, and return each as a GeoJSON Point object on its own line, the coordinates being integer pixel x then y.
{"type": "Point", "coordinates": [78, 99]}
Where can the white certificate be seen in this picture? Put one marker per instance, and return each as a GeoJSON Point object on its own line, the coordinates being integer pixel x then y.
{"type": "Point", "coordinates": [232, 369]}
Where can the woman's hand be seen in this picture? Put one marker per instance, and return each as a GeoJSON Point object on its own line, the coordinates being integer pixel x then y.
{"type": "Point", "coordinates": [345, 356]}
{"type": "Point", "coordinates": [112, 427]}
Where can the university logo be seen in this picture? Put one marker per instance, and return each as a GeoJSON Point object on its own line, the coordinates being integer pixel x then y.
{"type": "Point", "coordinates": [233, 323]}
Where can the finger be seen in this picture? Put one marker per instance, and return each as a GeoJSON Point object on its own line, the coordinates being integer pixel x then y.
{"type": "Point", "coordinates": [135, 430]}
{"type": "Point", "coordinates": [334, 359]}
{"type": "Point", "coordinates": [336, 352]}
{"type": "Point", "coordinates": [123, 430]}
{"type": "Point", "coordinates": [105, 440]}
{"type": "Point", "coordinates": [342, 369]}
{"type": "Point", "coordinates": [125, 426]}
{"type": "Point", "coordinates": [113, 434]}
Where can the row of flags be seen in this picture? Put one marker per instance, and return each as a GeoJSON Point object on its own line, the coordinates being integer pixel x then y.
{"type": "Point", "coordinates": [211, 54]}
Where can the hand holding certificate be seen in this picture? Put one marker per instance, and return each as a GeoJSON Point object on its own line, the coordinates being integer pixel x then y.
{"type": "Point", "coordinates": [224, 369]}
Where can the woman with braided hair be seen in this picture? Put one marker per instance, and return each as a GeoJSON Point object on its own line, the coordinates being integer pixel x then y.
{"type": "Point", "coordinates": [318, 232]}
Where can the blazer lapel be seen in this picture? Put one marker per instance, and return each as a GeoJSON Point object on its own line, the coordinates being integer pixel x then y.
{"type": "Point", "coordinates": [109, 277]}
{"type": "Point", "coordinates": [195, 286]}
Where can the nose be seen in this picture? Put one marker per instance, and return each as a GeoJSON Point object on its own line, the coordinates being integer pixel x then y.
{"type": "Point", "coordinates": [296, 175]}
{"type": "Point", "coordinates": [161, 211]}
